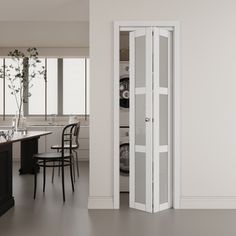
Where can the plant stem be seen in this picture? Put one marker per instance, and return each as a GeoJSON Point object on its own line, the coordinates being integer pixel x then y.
{"type": "Point", "coordinates": [14, 92]}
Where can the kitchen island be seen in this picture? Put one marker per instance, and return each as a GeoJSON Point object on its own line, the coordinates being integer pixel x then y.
{"type": "Point", "coordinates": [29, 146]}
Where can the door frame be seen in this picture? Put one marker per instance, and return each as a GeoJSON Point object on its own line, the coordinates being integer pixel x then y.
{"type": "Point", "coordinates": [176, 88]}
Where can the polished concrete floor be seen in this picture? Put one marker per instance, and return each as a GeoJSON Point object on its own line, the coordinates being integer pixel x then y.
{"type": "Point", "coordinates": [48, 216]}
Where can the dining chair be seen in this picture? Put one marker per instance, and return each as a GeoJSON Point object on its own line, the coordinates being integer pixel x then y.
{"type": "Point", "coordinates": [74, 147]}
{"type": "Point", "coordinates": [62, 159]}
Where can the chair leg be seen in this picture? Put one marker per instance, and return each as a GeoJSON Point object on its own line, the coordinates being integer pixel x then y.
{"type": "Point", "coordinates": [35, 178]}
{"type": "Point", "coordinates": [59, 168]}
{"type": "Point", "coordinates": [71, 174]}
{"type": "Point", "coordinates": [53, 171]}
{"type": "Point", "coordinates": [73, 163]}
{"type": "Point", "coordinates": [59, 171]}
{"type": "Point", "coordinates": [44, 175]}
{"type": "Point", "coordinates": [63, 181]}
{"type": "Point", "coordinates": [77, 163]}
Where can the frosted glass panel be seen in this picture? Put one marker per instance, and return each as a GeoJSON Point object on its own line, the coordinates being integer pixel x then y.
{"type": "Point", "coordinates": [37, 99]}
{"type": "Point", "coordinates": [163, 61]}
{"type": "Point", "coordinates": [140, 125]}
{"type": "Point", "coordinates": [163, 119]}
{"type": "Point", "coordinates": [140, 60]}
{"type": "Point", "coordinates": [1, 89]}
{"type": "Point", "coordinates": [163, 177]}
{"type": "Point", "coordinates": [140, 178]}
{"type": "Point", "coordinates": [73, 86]}
{"type": "Point", "coordinates": [52, 86]}
{"type": "Point", "coordinates": [10, 101]}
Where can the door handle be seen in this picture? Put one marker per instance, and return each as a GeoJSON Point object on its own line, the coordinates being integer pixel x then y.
{"type": "Point", "coordinates": [147, 119]}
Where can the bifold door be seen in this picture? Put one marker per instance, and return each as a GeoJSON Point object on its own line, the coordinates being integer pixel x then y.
{"type": "Point", "coordinates": [141, 119]}
{"type": "Point", "coordinates": [150, 119]}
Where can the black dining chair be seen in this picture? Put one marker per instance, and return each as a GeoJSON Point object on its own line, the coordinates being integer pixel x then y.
{"type": "Point", "coordinates": [74, 147]}
{"type": "Point", "coordinates": [57, 159]}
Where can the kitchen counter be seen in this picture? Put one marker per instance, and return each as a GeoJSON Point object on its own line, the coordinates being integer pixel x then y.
{"type": "Point", "coordinates": [21, 137]}
{"type": "Point", "coordinates": [29, 146]}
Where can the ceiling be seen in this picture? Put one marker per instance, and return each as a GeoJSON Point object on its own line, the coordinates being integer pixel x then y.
{"type": "Point", "coordinates": [44, 10]}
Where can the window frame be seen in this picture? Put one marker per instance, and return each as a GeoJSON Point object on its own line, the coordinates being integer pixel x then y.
{"type": "Point", "coordinates": [59, 92]}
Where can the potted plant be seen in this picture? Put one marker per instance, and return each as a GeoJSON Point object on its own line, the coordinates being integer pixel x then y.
{"type": "Point", "coordinates": [24, 69]}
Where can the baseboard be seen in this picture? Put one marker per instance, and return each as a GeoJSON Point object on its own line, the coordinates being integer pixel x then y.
{"type": "Point", "coordinates": [84, 159]}
{"type": "Point", "coordinates": [100, 202]}
{"type": "Point", "coordinates": [208, 202]}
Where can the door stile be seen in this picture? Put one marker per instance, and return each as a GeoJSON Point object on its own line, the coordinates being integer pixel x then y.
{"type": "Point", "coordinates": [149, 123]}
{"type": "Point", "coordinates": [156, 127]}
{"type": "Point", "coordinates": [132, 121]}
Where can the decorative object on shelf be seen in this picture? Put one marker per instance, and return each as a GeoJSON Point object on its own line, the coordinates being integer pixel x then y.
{"type": "Point", "coordinates": [7, 135]}
{"type": "Point", "coordinates": [19, 123]}
{"type": "Point", "coordinates": [124, 54]}
{"type": "Point", "coordinates": [124, 92]}
{"type": "Point", "coordinates": [73, 119]}
{"type": "Point", "coordinates": [25, 68]}
{"type": "Point", "coordinates": [52, 119]}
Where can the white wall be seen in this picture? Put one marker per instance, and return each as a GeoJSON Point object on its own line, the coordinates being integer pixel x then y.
{"type": "Point", "coordinates": [51, 34]}
{"type": "Point", "coordinates": [44, 10]}
{"type": "Point", "coordinates": [208, 53]}
{"type": "Point", "coordinates": [45, 24]}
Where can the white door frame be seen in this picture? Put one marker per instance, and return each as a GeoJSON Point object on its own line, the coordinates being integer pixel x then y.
{"type": "Point", "coordinates": [176, 154]}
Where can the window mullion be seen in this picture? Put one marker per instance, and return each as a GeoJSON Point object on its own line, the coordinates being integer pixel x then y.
{"type": "Point", "coordinates": [26, 87]}
{"type": "Point", "coordinates": [60, 87]}
{"type": "Point", "coordinates": [85, 89]}
{"type": "Point", "coordinates": [45, 87]}
{"type": "Point", "coordinates": [4, 89]}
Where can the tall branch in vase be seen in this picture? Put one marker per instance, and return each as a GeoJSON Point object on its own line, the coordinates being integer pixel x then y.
{"type": "Point", "coordinates": [20, 73]}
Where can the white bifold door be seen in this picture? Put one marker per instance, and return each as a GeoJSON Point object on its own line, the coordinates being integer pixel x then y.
{"type": "Point", "coordinates": [150, 119]}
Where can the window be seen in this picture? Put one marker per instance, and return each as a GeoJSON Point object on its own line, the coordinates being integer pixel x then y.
{"type": "Point", "coordinates": [37, 98]}
{"type": "Point", "coordinates": [73, 86]}
{"type": "Point", "coordinates": [87, 86]}
{"type": "Point", "coordinates": [52, 86]}
{"type": "Point", "coordinates": [63, 92]}
{"type": "Point", "coordinates": [45, 91]}
{"type": "Point", "coordinates": [1, 90]}
{"type": "Point", "coordinates": [11, 104]}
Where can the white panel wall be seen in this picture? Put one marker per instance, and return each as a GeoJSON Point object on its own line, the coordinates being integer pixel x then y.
{"type": "Point", "coordinates": [208, 53]}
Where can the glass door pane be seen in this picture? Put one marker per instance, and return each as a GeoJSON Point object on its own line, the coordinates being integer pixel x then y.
{"type": "Point", "coordinates": [162, 116]}
{"type": "Point", "coordinates": [140, 119]}
{"type": "Point", "coordinates": [140, 126]}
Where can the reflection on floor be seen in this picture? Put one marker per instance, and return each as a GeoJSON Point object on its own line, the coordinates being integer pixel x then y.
{"type": "Point", "coordinates": [124, 200]}
{"type": "Point", "coordinates": [48, 216]}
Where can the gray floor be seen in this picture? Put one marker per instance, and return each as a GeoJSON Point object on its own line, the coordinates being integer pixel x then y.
{"type": "Point", "coordinates": [48, 216]}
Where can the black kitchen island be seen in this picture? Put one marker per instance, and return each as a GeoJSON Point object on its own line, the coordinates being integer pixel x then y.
{"type": "Point", "coordinates": [6, 198]}
{"type": "Point", "coordinates": [29, 146]}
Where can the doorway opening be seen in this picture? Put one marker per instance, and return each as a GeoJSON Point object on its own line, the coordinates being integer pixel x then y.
{"type": "Point", "coordinates": [124, 73]}
{"type": "Point", "coordinates": [148, 174]}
